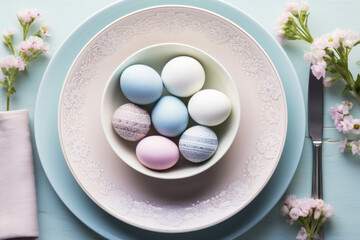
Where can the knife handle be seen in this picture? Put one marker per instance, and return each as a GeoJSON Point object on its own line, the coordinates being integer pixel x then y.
{"type": "Point", "coordinates": [317, 188]}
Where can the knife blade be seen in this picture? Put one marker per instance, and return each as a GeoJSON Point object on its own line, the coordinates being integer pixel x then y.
{"type": "Point", "coordinates": [315, 123]}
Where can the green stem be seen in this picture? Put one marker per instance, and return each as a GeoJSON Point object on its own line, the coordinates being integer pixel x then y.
{"type": "Point", "coordinates": [25, 30]}
{"type": "Point", "coordinates": [309, 38]}
{"type": "Point", "coordinates": [7, 102]}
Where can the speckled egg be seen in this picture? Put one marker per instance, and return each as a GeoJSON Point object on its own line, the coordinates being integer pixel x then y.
{"type": "Point", "coordinates": [183, 76]}
{"type": "Point", "coordinates": [141, 84]}
{"type": "Point", "coordinates": [170, 116]}
{"type": "Point", "coordinates": [198, 144]}
{"type": "Point", "coordinates": [157, 152]}
{"type": "Point", "coordinates": [131, 122]}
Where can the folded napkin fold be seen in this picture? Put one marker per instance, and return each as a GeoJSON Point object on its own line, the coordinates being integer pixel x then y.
{"type": "Point", "coordinates": [18, 211]}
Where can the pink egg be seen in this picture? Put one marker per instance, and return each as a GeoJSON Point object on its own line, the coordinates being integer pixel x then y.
{"type": "Point", "coordinates": [157, 152]}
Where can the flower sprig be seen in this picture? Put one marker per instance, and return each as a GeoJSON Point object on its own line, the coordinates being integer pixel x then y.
{"type": "Point", "coordinates": [293, 24]}
{"type": "Point", "coordinates": [346, 123]}
{"type": "Point", "coordinates": [310, 213]}
{"type": "Point", "coordinates": [329, 53]}
{"type": "Point", "coordinates": [28, 50]}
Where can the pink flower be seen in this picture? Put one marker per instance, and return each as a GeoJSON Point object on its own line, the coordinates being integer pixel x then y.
{"type": "Point", "coordinates": [291, 7]}
{"type": "Point", "coordinates": [347, 124]}
{"type": "Point", "coordinates": [317, 214]}
{"type": "Point", "coordinates": [290, 221]}
{"type": "Point", "coordinates": [290, 201]}
{"type": "Point", "coordinates": [327, 82]}
{"type": "Point", "coordinates": [284, 210]}
{"type": "Point", "coordinates": [319, 69]}
{"type": "Point", "coordinates": [355, 147]}
{"type": "Point", "coordinates": [33, 44]}
{"type": "Point", "coordinates": [9, 32]}
{"type": "Point", "coordinates": [279, 28]}
{"type": "Point", "coordinates": [305, 6]}
{"type": "Point", "coordinates": [28, 15]}
{"type": "Point", "coordinates": [302, 235]}
{"type": "Point", "coordinates": [3, 79]}
{"type": "Point", "coordinates": [356, 128]}
{"type": "Point", "coordinates": [12, 62]}
{"type": "Point", "coordinates": [309, 58]}
{"type": "Point", "coordinates": [295, 213]}
{"type": "Point", "coordinates": [342, 145]}
{"type": "Point", "coordinates": [328, 211]}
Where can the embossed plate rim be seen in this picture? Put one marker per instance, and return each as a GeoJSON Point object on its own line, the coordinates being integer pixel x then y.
{"type": "Point", "coordinates": [226, 20]}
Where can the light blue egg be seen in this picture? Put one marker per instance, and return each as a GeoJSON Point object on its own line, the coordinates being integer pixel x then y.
{"type": "Point", "coordinates": [170, 116]}
{"type": "Point", "coordinates": [141, 84]}
{"type": "Point", "coordinates": [198, 143]}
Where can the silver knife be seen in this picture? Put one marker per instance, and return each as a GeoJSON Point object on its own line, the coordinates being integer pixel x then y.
{"type": "Point", "coordinates": [315, 123]}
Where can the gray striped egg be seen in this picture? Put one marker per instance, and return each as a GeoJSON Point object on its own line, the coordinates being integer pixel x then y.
{"type": "Point", "coordinates": [131, 122]}
{"type": "Point", "coordinates": [198, 144]}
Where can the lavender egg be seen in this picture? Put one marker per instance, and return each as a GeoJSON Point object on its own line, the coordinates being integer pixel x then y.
{"type": "Point", "coordinates": [198, 144]}
{"type": "Point", "coordinates": [131, 122]}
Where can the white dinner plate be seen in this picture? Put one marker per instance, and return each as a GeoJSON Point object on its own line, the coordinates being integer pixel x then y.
{"type": "Point", "coordinates": [175, 205]}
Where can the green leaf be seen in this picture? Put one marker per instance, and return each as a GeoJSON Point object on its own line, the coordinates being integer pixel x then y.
{"type": "Point", "coordinates": [346, 89]}
{"type": "Point", "coordinates": [357, 83]}
{"type": "Point", "coordinates": [12, 90]}
{"type": "Point", "coordinates": [331, 69]}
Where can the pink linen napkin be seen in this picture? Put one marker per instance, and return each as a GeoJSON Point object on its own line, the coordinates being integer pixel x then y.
{"type": "Point", "coordinates": [18, 210]}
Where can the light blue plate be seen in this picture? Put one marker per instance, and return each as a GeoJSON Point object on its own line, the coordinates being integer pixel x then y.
{"type": "Point", "coordinates": [83, 207]}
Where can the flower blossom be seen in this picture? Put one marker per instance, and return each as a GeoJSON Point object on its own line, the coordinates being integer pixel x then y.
{"type": "Point", "coordinates": [327, 82]}
{"type": "Point", "coordinates": [32, 45]}
{"type": "Point", "coordinates": [44, 30]}
{"type": "Point", "coordinates": [342, 145]}
{"type": "Point", "coordinates": [12, 62]}
{"type": "Point", "coordinates": [324, 46]}
{"type": "Point", "coordinates": [309, 212]}
{"type": "Point", "coordinates": [28, 15]}
{"type": "Point", "coordinates": [3, 79]}
{"type": "Point", "coordinates": [302, 235]}
{"type": "Point", "coordinates": [319, 69]}
{"type": "Point", "coordinates": [9, 32]}
{"type": "Point", "coordinates": [355, 147]}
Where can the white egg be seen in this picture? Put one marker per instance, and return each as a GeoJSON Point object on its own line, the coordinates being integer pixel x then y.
{"type": "Point", "coordinates": [183, 76]}
{"type": "Point", "coordinates": [209, 107]}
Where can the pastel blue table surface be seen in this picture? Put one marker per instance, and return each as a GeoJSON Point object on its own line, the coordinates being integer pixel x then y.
{"type": "Point", "coordinates": [341, 170]}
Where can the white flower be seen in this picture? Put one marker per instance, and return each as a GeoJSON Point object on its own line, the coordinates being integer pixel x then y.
{"type": "Point", "coordinates": [28, 15]}
{"type": "Point", "coordinates": [302, 235]}
{"type": "Point", "coordinates": [12, 62]}
{"type": "Point", "coordinates": [356, 128]}
{"type": "Point", "coordinates": [9, 32]}
{"type": "Point", "coordinates": [44, 30]}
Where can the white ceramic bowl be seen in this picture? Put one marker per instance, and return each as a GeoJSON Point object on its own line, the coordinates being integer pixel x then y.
{"type": "Point", "coordinates": [156, 56]}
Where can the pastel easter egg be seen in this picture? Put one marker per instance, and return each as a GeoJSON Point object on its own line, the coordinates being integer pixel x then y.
{"type": "Point", "coordinates": [198, 144]}
{"type": "Point", "coordinates": [170, 116]}
{"type": "Point", "coordinates": [131, 122]}
{"type": "Point", "coordinates": [183, 76]}
{"type": "Point", "coordinates": [157, 152]}
{"type": "Point", "coordinates": [209, 107]}
{"type": "Point", "coordinates": [141, 84]}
